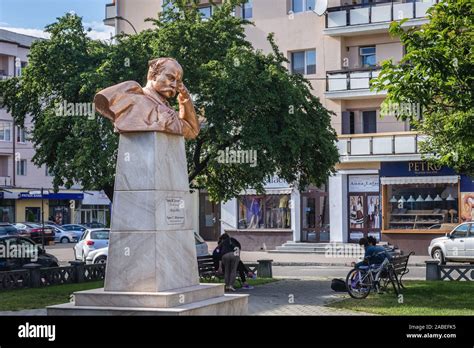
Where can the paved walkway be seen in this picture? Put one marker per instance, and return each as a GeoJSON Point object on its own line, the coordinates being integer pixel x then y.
{"type": "Point", "coordinates": [284, 297]}
{"type": "Point", "coordinates": [294, 297]}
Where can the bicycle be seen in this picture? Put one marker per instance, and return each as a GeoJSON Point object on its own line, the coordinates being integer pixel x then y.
{"type": "Point", "coordinates": [362, 280]}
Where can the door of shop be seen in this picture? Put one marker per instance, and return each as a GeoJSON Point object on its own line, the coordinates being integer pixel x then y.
{"type": "Point", "coordinates": [364, 215]}
{"type": "Point", "coordinates": [314, 217]}
{"type": "Point", "coordinates": [209, 218]}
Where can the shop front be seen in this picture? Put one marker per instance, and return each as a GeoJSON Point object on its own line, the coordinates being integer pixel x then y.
{"type": "Point", "coordinates": [363, 206]}
{"type": "Point", "coordinates": [7, 208]}
{"type": "Point", "coordinates": [420, 201]}
{"type": "Point", "coordinates": [315, 227]}
{"type": "Point", "coordinates": [263, 221]}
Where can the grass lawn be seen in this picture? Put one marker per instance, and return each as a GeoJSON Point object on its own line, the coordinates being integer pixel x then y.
{"type": "Point", "coordinates": [15, 300]}
{"type": "Point", "coordinates": [419, 298]}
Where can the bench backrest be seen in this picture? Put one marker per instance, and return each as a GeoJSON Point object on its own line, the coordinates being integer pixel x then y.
{"type": "Point", "coordinates": [206, 265]}
{"type": "Point", "coordinates": [400, 263]}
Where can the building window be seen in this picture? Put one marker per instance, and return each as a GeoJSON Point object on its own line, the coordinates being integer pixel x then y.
{"type": "Point", "coordinates": [247, 10]}
{"type": "Point", "coordinates": [367, 57]}
{"type": "Point", "coordinates": [206, 12]}
{"type": "Point", "coordinates": [421, 206]}
{"type": "Point", "coordinates": [47, 171]}
{"type": "Point", "coordinates": [5, 131]}
{"type": "Point", "coordinates": [20, 135]}
{"type": "Point", "coordinates": [267, 211]}
{"type": "Point", "coordinates": [369, 121]}
{"type": "Point", "coordinates": [21, 167]}
{"type": "Point", "coordinates": [303, 62]}
{"type": "Point", "coordinates": [302, 5]}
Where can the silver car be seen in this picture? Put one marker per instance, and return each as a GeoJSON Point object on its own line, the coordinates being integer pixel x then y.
{"type": "Point", "coordinates": [92, 239]}
{"type": "Point", "coordinates": [62, 236]}
{"type": "Point", "coordinates": [100, 255]}
{"type": "Point", "coordinates": [458, 245]}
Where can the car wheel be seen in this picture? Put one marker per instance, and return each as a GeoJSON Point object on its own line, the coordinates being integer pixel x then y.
{"type": "Point", "coordinates": [101, 259]}
{"type": "Point", "coordinates": [64, 240]}
{"type": "Point", "coordinates": [437, 254]}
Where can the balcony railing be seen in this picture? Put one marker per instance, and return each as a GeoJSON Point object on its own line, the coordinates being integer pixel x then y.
{"type": "Point", "coordinates": [379, 144]}
{"type": "Point", "coordinates": [378, 11]}
{"type": "Point", "coordinates": [110, 14]}
{"type": "Point", "coordinates": [5, 181]}
{"type": "Point", "coordinates": [347, 80]}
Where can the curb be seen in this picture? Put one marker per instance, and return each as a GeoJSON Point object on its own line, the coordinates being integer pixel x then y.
{"type": "Point", "coordinates": [299, 264]}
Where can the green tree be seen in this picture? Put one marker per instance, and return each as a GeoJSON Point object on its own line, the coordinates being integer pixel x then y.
{"type": "Point", "coordinates": [437, 74]}
{"type": "Point", "coordinates": [249, 99]}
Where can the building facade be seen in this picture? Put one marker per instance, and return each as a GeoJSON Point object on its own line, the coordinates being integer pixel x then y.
{"type": "Point", "coordinates": [20, 180]}
{"type": "Point", "coordinates": [339, 52]}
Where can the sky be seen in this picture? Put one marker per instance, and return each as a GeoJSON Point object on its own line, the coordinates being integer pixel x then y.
{"type": "Point", "coordinates": [29, 17]}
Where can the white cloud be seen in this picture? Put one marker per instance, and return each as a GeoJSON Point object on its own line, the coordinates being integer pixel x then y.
{"type": "Point", "coordinates": [27, 31]}
{"type": "Point", "coordinates": [99, 31]}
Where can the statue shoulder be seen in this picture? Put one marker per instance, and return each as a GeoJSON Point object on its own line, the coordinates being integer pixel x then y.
{"type": "Point", "coordinates": [113, 99]}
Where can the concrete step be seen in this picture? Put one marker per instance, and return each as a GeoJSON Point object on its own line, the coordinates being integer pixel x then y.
{"type": "Point", "coordinates": [223, 305]}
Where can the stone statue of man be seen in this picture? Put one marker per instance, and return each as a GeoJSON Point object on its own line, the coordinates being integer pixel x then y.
{"type": "Point", "coordinates": [135, 109]}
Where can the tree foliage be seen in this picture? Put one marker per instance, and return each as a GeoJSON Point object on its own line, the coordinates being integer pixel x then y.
{"type": "Point", "coordinates": [437, 73]}
{"type": "Point", "coordinates": [249, 100]}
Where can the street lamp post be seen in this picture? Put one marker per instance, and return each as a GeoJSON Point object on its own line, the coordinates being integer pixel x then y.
{"type": "Point", "coordinates": [126, 20]}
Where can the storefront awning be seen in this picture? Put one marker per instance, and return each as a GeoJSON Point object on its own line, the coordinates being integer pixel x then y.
{"type": "Point", "coordinates": [401, 180]}
{"type": "Point", "coordinates": [270, 191]}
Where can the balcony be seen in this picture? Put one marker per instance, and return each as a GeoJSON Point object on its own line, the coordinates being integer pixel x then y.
{"type": "Point", "coordinates": [397, 146]}
{"type": "Point", "coordinates": [375, 17]}
{"type": "Point", "coordinates": [351, 84]}
{"type": "Point", "coordinates": [5, 181]}
{"type": "Point", "coordinates": [110, 14]}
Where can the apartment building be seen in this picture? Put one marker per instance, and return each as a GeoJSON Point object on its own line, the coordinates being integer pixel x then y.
{"type": "Point", "coordinates": [382, 186]}
{"type": "Point", "coordinates": [20, 180]}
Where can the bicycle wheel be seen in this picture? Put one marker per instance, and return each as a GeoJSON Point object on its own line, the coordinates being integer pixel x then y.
{"type": "Point", "coordinates": [358, 283]}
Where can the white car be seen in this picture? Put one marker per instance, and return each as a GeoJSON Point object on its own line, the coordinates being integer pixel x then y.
{"type": "Point", "coordinates": [100, 255]}
{"type": "Point", "coordinates": [92, 239]}
{"type": "Point", "coordinates": [457, 246]}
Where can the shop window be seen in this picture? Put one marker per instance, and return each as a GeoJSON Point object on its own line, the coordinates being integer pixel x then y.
{"type": "Point", "coordinates": [421, 206]}
{"type": "Point", "coordinates": [7, 210]}
{"type": "Point", "coordinates": [270, 211]}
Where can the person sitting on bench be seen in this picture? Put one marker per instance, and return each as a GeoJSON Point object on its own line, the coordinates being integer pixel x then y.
{"type": "Point", "coordinates": [374, 254]}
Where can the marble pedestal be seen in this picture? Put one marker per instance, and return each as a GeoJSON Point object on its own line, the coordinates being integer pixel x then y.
{"type": "Point", "coordinates": [152, 265]}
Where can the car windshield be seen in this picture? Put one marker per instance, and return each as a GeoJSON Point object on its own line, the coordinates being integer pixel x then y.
{"type": "Point", "coordinates": [100, 235]}
{"type": "Point", "coordinates": [6, 229]}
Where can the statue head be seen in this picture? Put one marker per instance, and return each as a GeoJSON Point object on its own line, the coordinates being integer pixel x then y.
{"type": "Point", "coordinates": [165, 76]}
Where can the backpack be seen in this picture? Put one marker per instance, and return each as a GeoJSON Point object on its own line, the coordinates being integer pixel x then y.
{"type": "Point", "coordinates": [338, 285]}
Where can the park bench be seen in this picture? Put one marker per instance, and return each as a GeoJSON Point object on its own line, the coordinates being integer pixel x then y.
{"type": "Point", "coordinates": [263, 268]}
{"type": "Point", "coordinates": [400, 266]}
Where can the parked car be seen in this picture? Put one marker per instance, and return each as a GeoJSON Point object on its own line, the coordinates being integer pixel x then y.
{"type": "Point", "coordinates": [100, 255]}
{"type": "Point", "coordinates": [94, 225]}
{"type": "Point", "coordinates": [92, 239]}
{"type": "Point", "coordinates": [34, 231]}
{"type": "Point", "coordinates": [8, 229]}
{"type": "Point", "coordinates": [33, 253]}
{"type": "Point", "coordinates": [78, 230]}
{"type": "Point", "coordinates": [63, 236]}
{"type": "Point", "coordinates": [458, 245]}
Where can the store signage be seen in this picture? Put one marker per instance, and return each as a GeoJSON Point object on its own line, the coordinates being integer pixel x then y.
{"type": "Point", "coordinates": [423, 167]}
{"type": "Point", "coordinates": [37, 195]}
{"type": "Point", "coordinates": [413, 168]}
{"type": "Point", "coordinates": [364, 183]}
{"type": "Point", "coordinates": [174, 211]}
{"type": "Point", "coordinates": [275, 181]}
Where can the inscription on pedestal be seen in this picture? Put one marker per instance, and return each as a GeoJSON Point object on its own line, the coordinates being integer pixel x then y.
{"type": "Point", "coordinates": [175, 211]}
